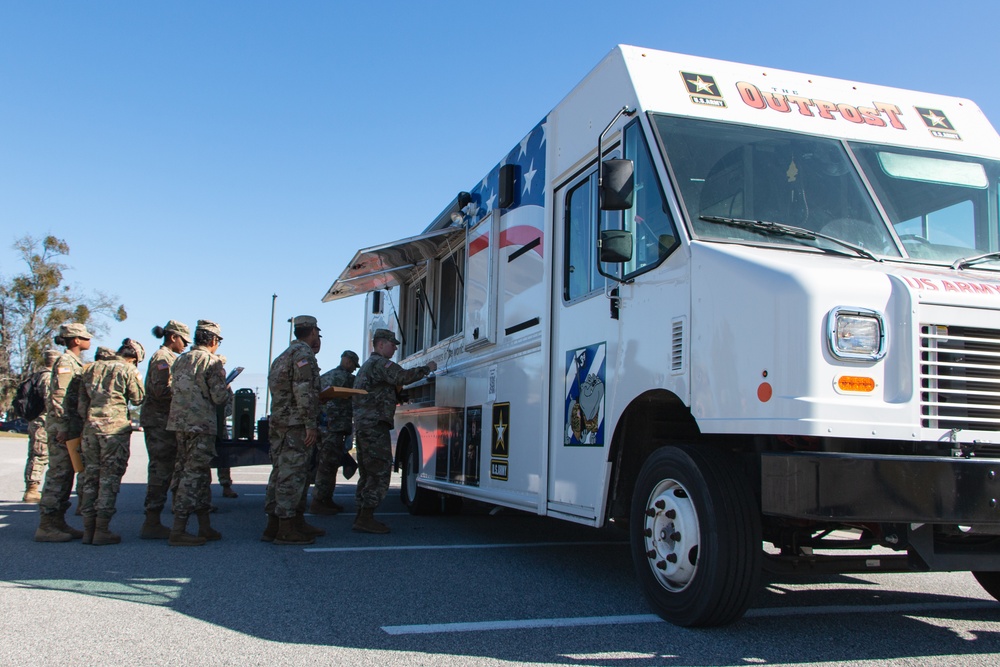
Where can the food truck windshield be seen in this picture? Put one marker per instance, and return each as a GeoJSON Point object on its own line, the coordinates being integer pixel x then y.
{"type": "Point", "coordinates": [941, 207]}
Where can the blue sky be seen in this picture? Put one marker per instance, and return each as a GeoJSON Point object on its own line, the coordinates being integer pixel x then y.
{"type": "Point", "coordinates": [199, 157]}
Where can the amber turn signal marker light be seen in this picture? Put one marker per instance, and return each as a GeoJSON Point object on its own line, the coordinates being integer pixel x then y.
{"type": "Point", "coordinates": [855, 383]}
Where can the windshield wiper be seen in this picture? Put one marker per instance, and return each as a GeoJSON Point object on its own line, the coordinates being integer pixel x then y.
{"type": "Point", "coordinates": [975, 259]}
{"type": "Point", "coordinates": [779, 229]}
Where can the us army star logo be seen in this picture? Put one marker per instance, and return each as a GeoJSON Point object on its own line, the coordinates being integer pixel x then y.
{"type": "Point", "coordinates": [501, 429]}
{"type": "Point", "coordinates": [701, 84]}
{"type": "Point", "coordinates": [935, 118]}
{"type": "Point", "coordinates": [501, 426]}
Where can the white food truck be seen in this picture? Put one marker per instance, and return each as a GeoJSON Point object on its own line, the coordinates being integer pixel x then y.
{"type": "Point", "coordinates": [751, 315]}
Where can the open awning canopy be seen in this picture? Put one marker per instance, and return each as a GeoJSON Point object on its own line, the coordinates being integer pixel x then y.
{"type": "Point", "coordinates": [389, 264]}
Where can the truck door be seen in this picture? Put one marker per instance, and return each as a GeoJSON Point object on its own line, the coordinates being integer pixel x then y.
{"type": "Point", "coordinates": [584, 347]}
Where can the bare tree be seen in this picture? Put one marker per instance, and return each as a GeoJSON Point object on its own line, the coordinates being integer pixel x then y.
{"type": "Point", "coordinates": [33, 304]}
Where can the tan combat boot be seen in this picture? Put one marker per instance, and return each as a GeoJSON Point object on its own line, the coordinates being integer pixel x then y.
{"type": "Point", "coordinates": [103, 534]}
{"type": "Point", "coordinates": [271, 531]}
{"type": "Point", "coordinates": [31, 493]}
{"type": "Point", "coordinates": [205, 527]}
{"type": "Point", "coordinates": [366, 523]}
{"type": "Point", "coordinates": [227, 492]}
{"type": "Point", "coordinates": [179, 537]}
{"type": "Point", "coordinates": [305, 528]}
{"type": "Point", "coordinates": [49, 530]}
{"type": "Point", "coordinates": [324, 506]}
{"type": "Point", "coordinates": [89, 526]}
{"type": "Point", "coordinates": [288, 533]}
{"type": "Point", "coordinates": [60, 520]}
{"type": "Point", "coordinates": [152, 529]}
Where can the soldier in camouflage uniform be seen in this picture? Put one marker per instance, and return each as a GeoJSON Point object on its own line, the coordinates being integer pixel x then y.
{"type": "Point", "coordinates": [107, 387]}
{"type": "Point", "coordinates": [198, 385]}
{"type": "Point", "coordinates": [161, 444]}
{"type": "Point", "coordinates": [335, 433]}
{"type": "Point", "coordinates": [38, 442]}
{"type": "Point", "coordinates": [62, 423]}
{"type": "Point", "coordinates": [294, 429]}
{"type": "Point", "coordinates": [226, 479]}
{"type": "Point", "coordinates": [381, 377]}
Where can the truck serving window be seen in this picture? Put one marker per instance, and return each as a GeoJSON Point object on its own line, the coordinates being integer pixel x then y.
{"type": "Point", "coordinates": [413, 315]}
{"type": "Point", "coordinates": [450, 295]}
{"type": "Point", "coordinates": [739, 171]}
{"type": "Point", "coordinates": [943, 207]}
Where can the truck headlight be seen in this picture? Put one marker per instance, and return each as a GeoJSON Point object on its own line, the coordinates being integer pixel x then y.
{"type": "Point", "coordinates": [856, 334]}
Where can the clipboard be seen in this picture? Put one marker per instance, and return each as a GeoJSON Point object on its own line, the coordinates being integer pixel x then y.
{"type": "Point", "coordinates": [331, 393]}
{"type": "Point", "coordinates": [233, 374]}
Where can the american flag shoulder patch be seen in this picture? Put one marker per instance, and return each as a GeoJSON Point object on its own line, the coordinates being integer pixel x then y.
{"type": "Point", "coordinates": [302, 363]}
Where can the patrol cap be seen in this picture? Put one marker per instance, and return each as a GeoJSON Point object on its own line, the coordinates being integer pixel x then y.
{"type": "Point", "coordinates": [52, 356]}
{"type": "Point", "coordinates": [74, 330]}
{"type": "Point", "coordinates": [352, 355]}
{"type": "Point", "coordinates": [140, 351]}
{"type": "Point", "coordinates": [305, 321]}
{"type": "Point", "coordinates": [210, 327]}
{"type": "Point", "coordinates": [386, 335]}
{"type": "Point", "coordinates": [179, 328]}
{"type": "Point", "coordinates": [104, 353]}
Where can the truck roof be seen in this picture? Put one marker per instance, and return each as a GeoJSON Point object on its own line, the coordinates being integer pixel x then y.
{"type": "Point", "coordinates": [721, 90]}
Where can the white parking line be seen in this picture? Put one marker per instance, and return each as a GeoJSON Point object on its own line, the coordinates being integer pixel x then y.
{"type": "Point", "coordinates": [769, 612]}
{"type": "Point", "coordinates": [428, 547]}
{"type": "Point", "coordinates": [523, 624]}
{"type": "Point", "coordinates": [336, 495]}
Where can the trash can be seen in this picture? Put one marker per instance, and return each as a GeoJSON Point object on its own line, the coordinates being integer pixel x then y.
{"type": "Point", "coordinates": [244, 413]}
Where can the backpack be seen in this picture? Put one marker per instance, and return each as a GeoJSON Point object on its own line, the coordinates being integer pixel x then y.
{"type": "Point", "coordinates": [29, 401]}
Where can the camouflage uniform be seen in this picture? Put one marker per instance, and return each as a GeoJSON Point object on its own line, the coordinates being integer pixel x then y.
{"type": "Point", "coordinates": [107, 387]}
{"type": "Point", "coordinates": [38, 451]}
{"type": "Point", "coordinates": [61, 416]}
{"type": "Point", "coordinates": [198, 381]}
{"type": "Point", "coordinates": [38, 441]}
{"type": "Point", "coordinates": [294, 383]}
{"type": "Point", "coordinates": [335, 431]}
{"type": "Point", "coordinates": [373, 419]}
{"type": "Point", "coordinates": [161, 444]}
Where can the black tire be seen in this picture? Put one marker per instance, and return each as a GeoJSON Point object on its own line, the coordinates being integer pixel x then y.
{"type": "Point", "coordinates": [417, 500]}
{"type": "Point", "coordinates": [990, 581]}
{"type": "Point", "coordinates": [696, 536]}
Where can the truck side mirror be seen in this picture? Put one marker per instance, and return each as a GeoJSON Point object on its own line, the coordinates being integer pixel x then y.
{"type": "Point", "coordinates": [615, 245]}
{"type": "Point", "coordinates": [617, 185]}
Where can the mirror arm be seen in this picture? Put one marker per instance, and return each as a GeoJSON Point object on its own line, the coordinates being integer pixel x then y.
{"type": "Point", "coordinates": [624, 111]}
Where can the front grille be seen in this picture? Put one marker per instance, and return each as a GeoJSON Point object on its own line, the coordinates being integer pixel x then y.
{"type": "Point", "coordinates": [960, 377]}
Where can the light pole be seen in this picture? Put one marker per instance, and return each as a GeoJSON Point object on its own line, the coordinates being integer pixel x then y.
{"type": "Point", "coordinates": [270, 352]}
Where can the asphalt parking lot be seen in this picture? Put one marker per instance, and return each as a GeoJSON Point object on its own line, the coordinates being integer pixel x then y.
{"type": "Point", "coordinates": [482, 587]}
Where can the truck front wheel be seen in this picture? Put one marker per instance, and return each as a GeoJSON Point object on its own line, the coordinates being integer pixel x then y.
{"type": "Point", "coordinates": [990, 581]}
{"type": "Point", "coordinates": [417, 500]}
{"type": "Point", "coordinates": [695, 535]}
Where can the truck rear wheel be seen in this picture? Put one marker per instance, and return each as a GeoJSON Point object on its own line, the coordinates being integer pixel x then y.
{"type": "Point", "coordinates": [418, 501]}
{"type": "Point", "coordinates": [696, 537]}
{"type": "Point", "coordinates": [990, 581]}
